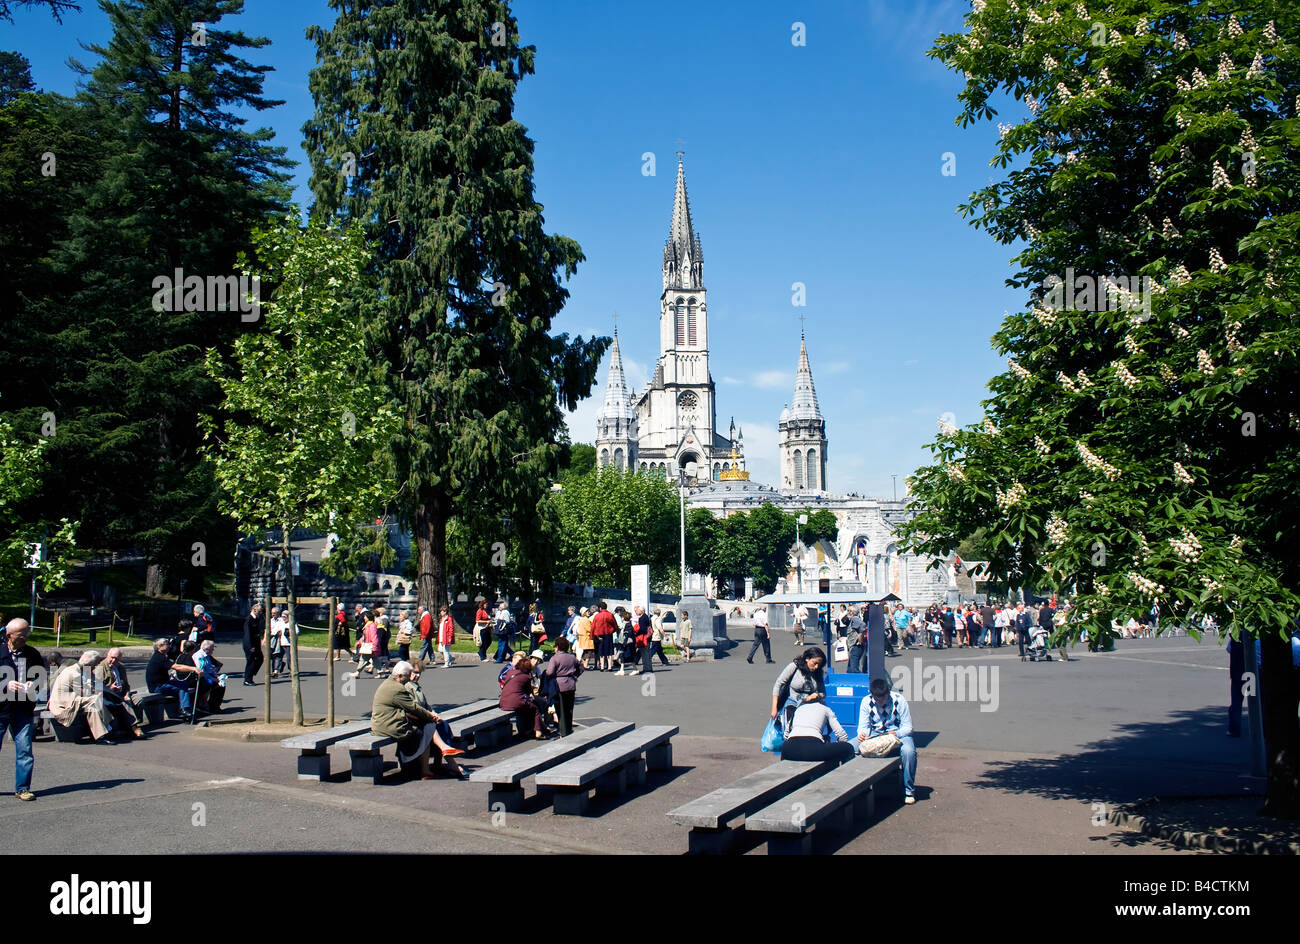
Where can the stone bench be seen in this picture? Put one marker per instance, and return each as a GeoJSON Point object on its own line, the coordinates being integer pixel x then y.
{"type": "Point", "coordinates": [68, 734]}
{"type": "Point", "coordinates": [313, 756]}
{"type": "Point", "coordinates": [484, 729]}
{"type": "Point", "coordinates": [610, 768]}
{"type": "Point", "coordinates": [507, 776]}
{"type": "Point", "coordinates": [365, 751]}
{"type": "Point", "coordinates": [709, 815]}
{"type": "Point", "coordinates": [837, 799]}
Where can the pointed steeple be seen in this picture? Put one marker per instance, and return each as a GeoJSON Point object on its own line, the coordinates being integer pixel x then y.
{"type": "Point", "coordinates": [804, 406]}
{"type": "Point", "coordinates": [618, 399]}
{"type": "Point", "coordinates": [683, 253]}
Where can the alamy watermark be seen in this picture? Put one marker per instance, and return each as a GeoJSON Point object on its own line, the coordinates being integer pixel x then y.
{"type": "Point", "coordinates": [181, 292]}
{"type": "Point", "coordinates": [935, 683]}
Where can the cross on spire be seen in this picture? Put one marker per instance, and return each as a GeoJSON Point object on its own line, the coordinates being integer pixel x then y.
{"type": "Point", "coordinates": [615, 324]}
{"type": "Point", "coordinates": [802, 316]}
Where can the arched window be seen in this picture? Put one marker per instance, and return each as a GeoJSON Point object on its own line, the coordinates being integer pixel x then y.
{"type": "Point", "coordinates": [798, 469]}
{"type": "Point", "coordinates": [690, 322]}
{"type": "Point", "coordinates": [618, 459]}
{"type": "Point", "coordinates": [679, 314]}
{"type": "Point", "coordinates": [717, 469]}
{"type": "Point", "coordinates": [604, 458]}
{"type": "Point", "coordinates": [813, 477]}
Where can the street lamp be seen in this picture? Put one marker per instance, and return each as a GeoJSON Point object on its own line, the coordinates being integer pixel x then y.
{"type": "Point", "coordinates": [682, 475]}
{"type": "Point", "coordinates": [798, 557]}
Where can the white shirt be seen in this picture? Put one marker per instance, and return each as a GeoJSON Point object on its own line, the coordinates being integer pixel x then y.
{"type": "Point", "coordinates": [811, 719]}
{"type": "Point", "coordinates": [801, 613]}
{"type": "Point", "coordinates": [760, 619]}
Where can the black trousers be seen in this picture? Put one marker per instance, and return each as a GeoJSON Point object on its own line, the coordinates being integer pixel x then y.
{"type": "Point", "coordinates": [1022, 637]}
{"type": "Point", "coordinates": [564, 712]}
{"type": "Point", "coordinates": [764, 641]}
{"type": "Point", "coordinates": [811, 748]}
{"type": "Point", "coordinates": [252, 662]}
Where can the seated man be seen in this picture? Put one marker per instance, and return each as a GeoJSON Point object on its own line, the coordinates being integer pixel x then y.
{"type": "Point", "coordinates": [76, 694]}
{"type": "Point", "coordinates": [886, 712]}
{"type": "Point", "coordinates": [211, 682]}
{"type": "Point", "coordinates": [396, 713]}
{"type": "Point", "coordinates": [167, 678]}
{"type": "Point", "coordinates": [117, 691]}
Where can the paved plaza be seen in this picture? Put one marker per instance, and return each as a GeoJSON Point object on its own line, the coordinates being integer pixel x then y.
{"type": "Point", "coordinates": [1105, 728]}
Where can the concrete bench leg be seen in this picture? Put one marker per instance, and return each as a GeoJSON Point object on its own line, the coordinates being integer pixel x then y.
{"type": "Point", "coordinates": [571, 802]}
{"type": "Point", "coordinates": [840, 820]}
{"type": "Point", "coordinates": [660, 757]}
{"type": "Point", "coordinates": [313, 765]}
{"type": "Point", "coordinates": [612, 783]}
{"type": "Point", "coordinates": [368, 765]}
{"type": "Point", "coordinates": [635, 770]}
{"type": "Point", "coordinates": [864, 807]}
{"type": "Point", "coordinates": [172, 709]}
{"type": "Point", "coordinates": [790, 845]}
{"type": "Point", "coordinates": [702, 840]}
{"type": "Point", "coordinates": [153, 712]}
{"type": "Point", "coordinates": [510, 796]}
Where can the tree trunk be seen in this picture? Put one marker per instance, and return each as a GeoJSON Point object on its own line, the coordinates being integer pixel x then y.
{"type": "Point", "coordinates": [291, 598]}
{"type": "Point", "coordinates": [154, 580]}
{"type": "Point", "coordinates": [431, 547]}
{"type": "Point", "coordinates": [1279, 688]}
{"type": "Point", "coordinates": [266, 648]}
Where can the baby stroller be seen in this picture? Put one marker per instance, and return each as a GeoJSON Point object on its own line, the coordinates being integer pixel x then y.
{"type": "Point", "coordinates": [1037, 651]}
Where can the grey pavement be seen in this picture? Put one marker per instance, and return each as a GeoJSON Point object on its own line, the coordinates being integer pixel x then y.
{"type": "Point", "coordinates": [1064, 741]}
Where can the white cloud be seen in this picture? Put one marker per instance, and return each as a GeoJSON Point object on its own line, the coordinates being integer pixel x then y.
{"type": "Point", "coordinates": [732, 380]}
{"type": "Point", "coordinates": [582, 421]}
{"type": "Point", "coordinates": [772, 380]}
{"type": "Point", "coordinates": [838, 367]}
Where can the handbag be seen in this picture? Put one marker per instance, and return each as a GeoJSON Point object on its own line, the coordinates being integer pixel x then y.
{"type": "Point", "coordinates": [403, 638]}
{"type": "Point", "coordinates": [367, 649]}
{"type": "Point", "coordinates": [841, 650]}
{"type": "Point", "coordinates": [879, 746]}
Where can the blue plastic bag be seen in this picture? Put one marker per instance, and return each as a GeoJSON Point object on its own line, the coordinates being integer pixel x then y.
{"type": "Point", "coordinates": [773, 737]}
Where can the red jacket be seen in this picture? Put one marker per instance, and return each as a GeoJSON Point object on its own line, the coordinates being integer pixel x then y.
{"type": "Point", "coordinates": [602, 624]}
{"type": "Point", "coordinates": [426, 624]}
{"type": "Point", "coordinates": [446, 631]}
{"type": "Point", "coordinates": [643, 630]}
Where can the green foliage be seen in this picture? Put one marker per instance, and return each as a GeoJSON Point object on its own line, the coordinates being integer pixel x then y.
{"type": "Point", "coordinates": [581, 460]}
{"type": "Point", "coordinates": [608, 520]}
{"type": "Point", "coordinates": [21, 466]}
{"type": "Point", "coordinates": [821, 526]}
{"type": "Point", "coordinates": [417, 99]}
{"type": "Point", "coordinates": [1113, 458]}
{"type": "Point", "coordinates": [756, 544]}
{"type": "Point", "coordinates": [15, 76]}
{"type": "Point", "coordinates": [154, 171]}
{"type": "Point", "coordinates": [304, 412]}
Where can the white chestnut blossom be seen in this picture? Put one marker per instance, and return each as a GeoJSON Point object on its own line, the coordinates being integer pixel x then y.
{"type": "Point", "coordinates": [1041, 447]}
{"type": "Point", "coordinates": [1017, 369]}
{"type": "Point", "coordinates": [1234, 343]}
{"type": "Point", "coordinates": [1219, 177]}
{"type": "Point", "coordinates": [1066, 382]}
{"type": "Point", "coordinates": [1199, 80]}
{"type": "Point", "coordinates": [1045, 316]}
{"type": "Point", "coordinates": [1148, 587]}
{"type": "Point", "coordinates": [1084, 381]}
{"type": "Point", "coordinates": [1170, 231]}
{"type": "Point", "coordinates": [1167, 374]}
{"type": "Point", "coordinates": [1203, 362]}
{"type": "Point", "coordinates": [946, 428]}
{"type": "Point", "coordinates": [1141, 28]}
{"type": "Point", "coordinates": [1131, 343]}
{"type": "Point", "coordinates": [1012, 496]}
{"type": "Point", "coordinates": [1180, 332]}
{"type": "Point", "coordinates": [1049, 63]}
{"type": "Point", "coordinates": [955, 473]}
{"type": "Point", "coordinates": [1182, 475]}
{"type": "Point", "coordinates": [1225, 68]}
{"type": "Point", "coordinates": [1247, 142]}
{"type": "Point", "coordinates": [1125, 375]}
{"type": "Point", "coordinates": [1180, 42]}
{"type": "Point", "coordinates": [989, 428]}
{"type": "Point", "coordinates": [1256, 69]}
{"type": "Point", "coordinates": [1064, 93]}
{"type": "Point", "coordinates": [1270, 32]}
{"type": "Point", "coordinates": [1189, 549]}
{"type": "Point", "coordinates": [1057, 530]}
{"type": "Point", "coordinates": [1216, 261]}
{"type": "Point", "coordinates": [1234, 27]}
{"type": "Point", "coordinates": [1086, 497]}
{"type": "Point", "coordinates": [1096, 463]}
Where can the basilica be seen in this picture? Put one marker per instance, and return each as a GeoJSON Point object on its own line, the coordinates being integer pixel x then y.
{"type": "Point", "coordinates": [671, 428]}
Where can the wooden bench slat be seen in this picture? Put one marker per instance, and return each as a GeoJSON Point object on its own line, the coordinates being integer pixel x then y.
{"type": "Point", "coordinates": [588, 766]}
{"type": "Point", "coordinates": [750, 793]}
{"type": "Point", "coordinates": [825, 794]}
{"type": "Point", "coordinates": [523, 765]}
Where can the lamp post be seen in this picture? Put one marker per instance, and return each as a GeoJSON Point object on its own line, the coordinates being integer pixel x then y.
{"type": "Point", "coordinates": [682, 475]}
{"type": "Point", "coordinates": [798, 557]}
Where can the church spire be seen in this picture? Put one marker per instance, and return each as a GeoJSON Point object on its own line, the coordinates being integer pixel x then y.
{"type": "Point", "coordinates": [683, 253]}
{"type": "Point", "coordinates": [618, 399]}
{"type": "Point", "coordinates": [804, 406]}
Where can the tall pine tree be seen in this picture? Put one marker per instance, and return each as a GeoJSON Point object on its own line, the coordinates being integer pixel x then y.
{"type": "Point", "coordinates": [414, 138]}
{"type": "Point", "coordinates": [181, 186]}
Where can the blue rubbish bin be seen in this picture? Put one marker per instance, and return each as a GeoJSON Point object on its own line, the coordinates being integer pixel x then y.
{"type": "Point", "coordinates": [844, 694]}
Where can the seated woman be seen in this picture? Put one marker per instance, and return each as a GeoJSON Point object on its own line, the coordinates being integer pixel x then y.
{"type": "Point", "coordinates": [212, 685]}
{"type": "Point", "coordinates": [806, 737]}
{"type": "Point", "coordinates": [443, 735]}
{"type": "Point", "coordinates": [396, 713]}
{"type": "Point", "coordinates": [517, 696]}
{"type": "Point", "coordinates": [76, 693]}
{"type": "Point", "coordinates": [805, 676]}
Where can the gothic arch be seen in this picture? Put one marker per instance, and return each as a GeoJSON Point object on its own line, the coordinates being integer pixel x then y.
{"type": "Point", "coordinates": [618, 459]}
{"type": "Point", "coordinates": [798, 469]}
{"type": "Point", "coordinates": [604, 458]}
{"type": "Point", "coordinates": [813, 478]}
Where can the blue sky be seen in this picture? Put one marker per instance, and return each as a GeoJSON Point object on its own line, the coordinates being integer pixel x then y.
{"type": "Point", "coordinates": [818, 164]}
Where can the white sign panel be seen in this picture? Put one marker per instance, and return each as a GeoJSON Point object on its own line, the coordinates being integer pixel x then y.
{"type": "Point", "coordinates": [641, 585]}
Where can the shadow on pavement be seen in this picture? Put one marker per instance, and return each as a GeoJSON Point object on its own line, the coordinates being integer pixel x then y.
{"type": "Point", "coordinates": [90, 785]}
{"type": "Point", "coordinates": [1186, 755]}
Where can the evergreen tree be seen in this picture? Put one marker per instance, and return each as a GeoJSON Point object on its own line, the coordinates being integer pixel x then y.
{"type": "Point", "coordinates": [414, 138]}
{"type": "Point", "coordinates": [1142, 446]}
{"type": "Point", "coordinates": [15, 76]}
{"type": "Point", "coordinates": [181, 184]}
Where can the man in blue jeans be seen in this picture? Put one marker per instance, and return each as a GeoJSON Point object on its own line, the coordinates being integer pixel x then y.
{"type": "Point", "coordinates": [25, 678]}
{"type": "Point", "coordinates": [886, 712]}
{"type": "Point", "coordinates": [504, 628]}
{"type": "Point", "coordinates": [856, 639]}
{"type": "Point", "coordinates": [158, 677]}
